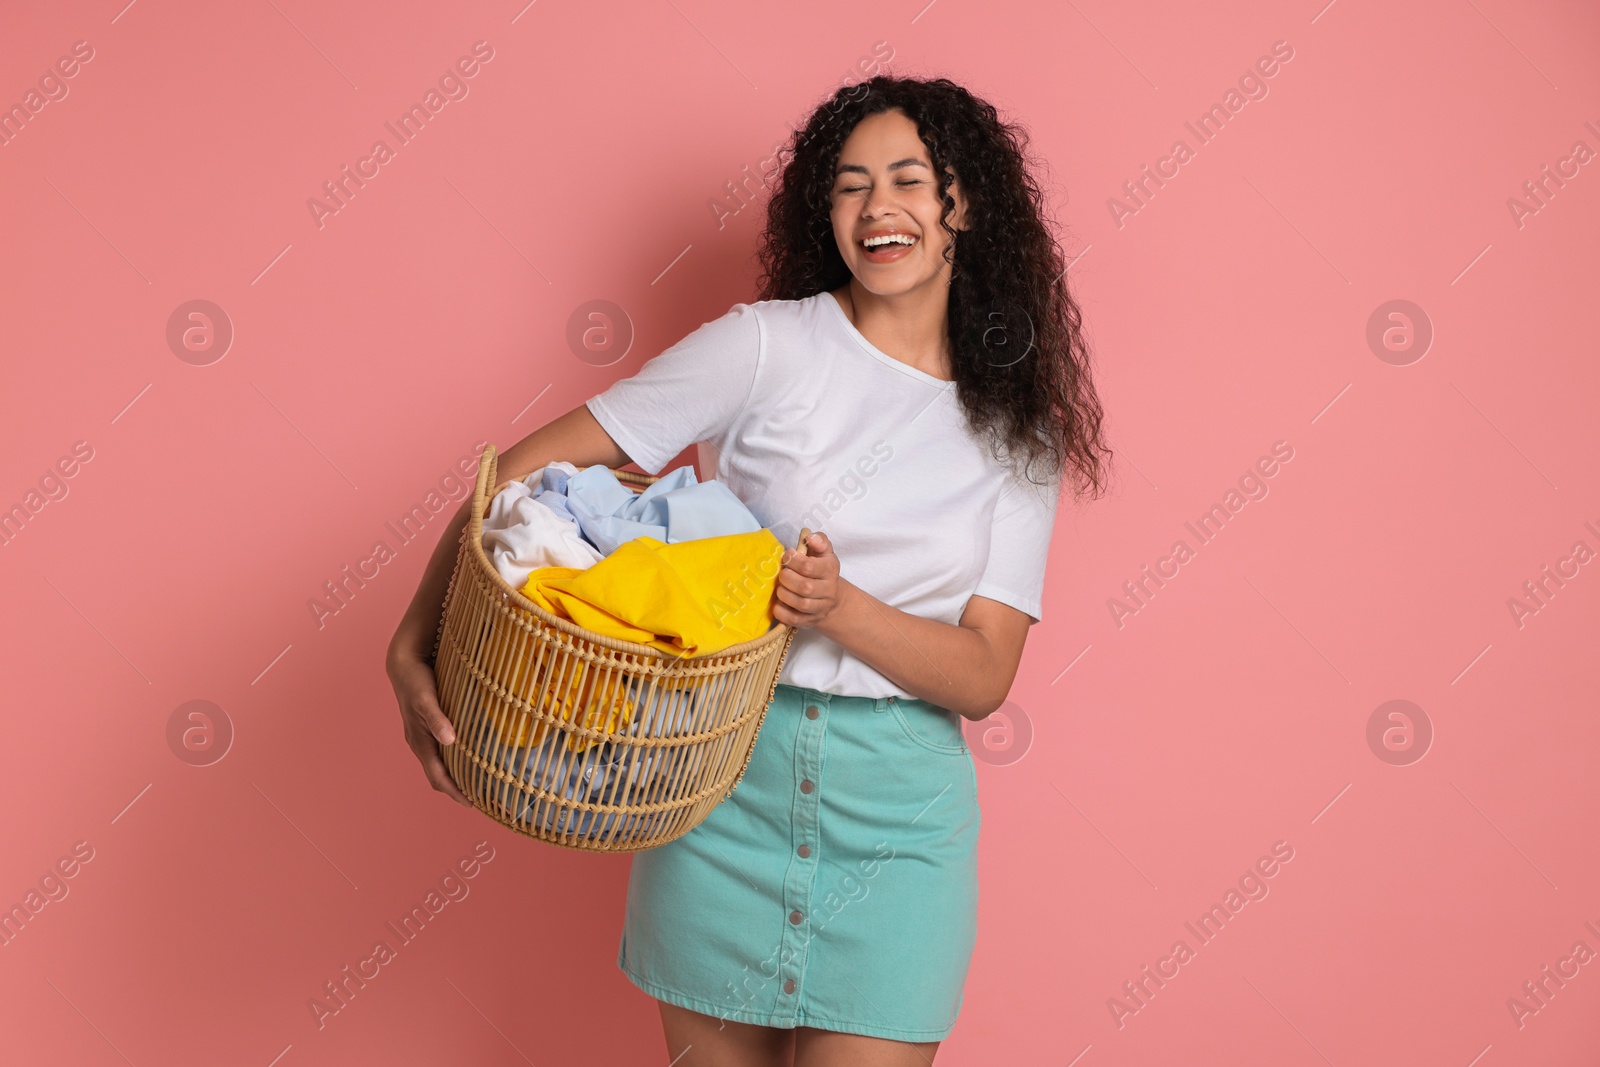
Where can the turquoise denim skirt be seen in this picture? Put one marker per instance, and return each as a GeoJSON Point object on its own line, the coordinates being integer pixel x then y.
{"type": "Point", "coordinates": [836, 888]}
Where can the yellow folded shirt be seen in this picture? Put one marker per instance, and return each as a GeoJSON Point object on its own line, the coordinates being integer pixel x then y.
{"type": "Point", "coordinates": [691, 598]}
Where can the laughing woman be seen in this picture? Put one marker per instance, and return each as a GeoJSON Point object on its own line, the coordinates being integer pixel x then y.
{"type": "Point", "coordinates": [914, 385]}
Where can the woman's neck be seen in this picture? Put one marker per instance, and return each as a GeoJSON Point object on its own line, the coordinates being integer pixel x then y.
{"type": "Point", "coordinates": [910, 327]}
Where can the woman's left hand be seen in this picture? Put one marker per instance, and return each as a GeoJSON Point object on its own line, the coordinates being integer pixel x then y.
{"type": "Point", "coordinates": [809, 587]}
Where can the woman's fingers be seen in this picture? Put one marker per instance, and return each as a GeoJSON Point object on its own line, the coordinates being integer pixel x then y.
{"type": "Point", "coordinates": [794, 583]}
{"type": "Point", "coordinates": [790, 617]}
{"type": "Point", "coordinates": [426, 726]}
{"type": "Point", "coordinates": [439, 776]}
{"type": "Point", "coordinates": [802, 569]}
{"type": "Point", "coordinates": [818, 548]}
{"type": "Point", "coordinates": [437, 722]}
{"type": "Point", "coordinates": [419, 701]}
{"type": "Point", "coordinates": [800, 612]}
{"type": "Point", "coordinates": [797, 601]}
{"type": "Point", "coordinates": [426, 749]}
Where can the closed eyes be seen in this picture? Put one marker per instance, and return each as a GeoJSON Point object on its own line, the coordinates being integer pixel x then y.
{"type": "Point", "coordinates": [858, 188]}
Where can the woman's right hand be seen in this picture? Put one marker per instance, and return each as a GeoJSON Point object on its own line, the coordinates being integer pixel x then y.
{"type": "Point", "coordinates": [426, 727]}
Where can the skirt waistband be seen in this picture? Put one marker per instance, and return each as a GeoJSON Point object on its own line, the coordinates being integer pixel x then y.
{"type": "Point", "coordinates": [818, 696]}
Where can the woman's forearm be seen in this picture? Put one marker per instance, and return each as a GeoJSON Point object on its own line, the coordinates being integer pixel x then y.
{"type": "Point", "coordinates": [951, 666]}
{"type": "Point", "coordinates": [420, 625]}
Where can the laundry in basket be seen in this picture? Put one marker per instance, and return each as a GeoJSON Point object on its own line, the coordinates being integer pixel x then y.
{"type": "Point", "coordinates": [602, 774]}
{"type": "Point", "coordinates": [559, 516]}
{"type": "Point", "coordinates": [692, 598]}
{"type": "Point", "coordinates": [676, 507]}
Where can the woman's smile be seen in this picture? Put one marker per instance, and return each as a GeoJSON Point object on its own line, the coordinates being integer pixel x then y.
{"type": "Point", "coordinates": [887, 246]}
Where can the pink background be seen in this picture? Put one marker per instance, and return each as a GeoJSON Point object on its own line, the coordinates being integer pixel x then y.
{"type": "Point", "coordinates": [1168, 753]}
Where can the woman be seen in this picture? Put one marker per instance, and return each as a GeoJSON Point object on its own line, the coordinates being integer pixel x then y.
{"type": "Point", "coordinates": [913, 311]}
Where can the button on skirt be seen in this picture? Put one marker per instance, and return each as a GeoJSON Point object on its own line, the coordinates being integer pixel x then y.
{"type": "Point", "coordinates": [836, 888]}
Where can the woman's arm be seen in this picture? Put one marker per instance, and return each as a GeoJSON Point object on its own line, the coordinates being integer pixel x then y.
{"type": "Point", "coordinates": [967, 668]}
{"type": "Point", "coordinates": [575, 437]}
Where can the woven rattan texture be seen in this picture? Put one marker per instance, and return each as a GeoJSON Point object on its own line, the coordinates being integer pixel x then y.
{"type": "Point", "coordinates": [500, 660]}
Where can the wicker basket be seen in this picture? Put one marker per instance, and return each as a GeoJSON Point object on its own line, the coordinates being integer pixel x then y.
{"type": "Point", "coordinates": [504, 665]}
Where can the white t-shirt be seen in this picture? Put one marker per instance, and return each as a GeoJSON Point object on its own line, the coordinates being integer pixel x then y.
{"type": "Point", "coordinates": [816, 427]}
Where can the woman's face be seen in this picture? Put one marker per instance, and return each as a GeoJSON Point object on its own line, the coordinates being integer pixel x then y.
{"type": "Point", "coordinates": [884, 184]}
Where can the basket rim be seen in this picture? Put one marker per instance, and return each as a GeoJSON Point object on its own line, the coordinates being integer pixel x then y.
{"type": "Point", "coordinates": [474, 534]}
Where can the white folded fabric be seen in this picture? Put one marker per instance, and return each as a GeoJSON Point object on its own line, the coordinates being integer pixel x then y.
{"type": "Point", "coordinates": [521, 534]}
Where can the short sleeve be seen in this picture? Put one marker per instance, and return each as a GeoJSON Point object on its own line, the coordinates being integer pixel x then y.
{"type": "Point", "coordinates": [1019, 546]}
{"type": "Point", "coordinates": [690, 392]}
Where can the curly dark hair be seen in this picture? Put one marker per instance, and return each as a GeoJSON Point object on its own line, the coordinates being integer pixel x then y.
{"type": "Point", "coordinates": [1008, 285]}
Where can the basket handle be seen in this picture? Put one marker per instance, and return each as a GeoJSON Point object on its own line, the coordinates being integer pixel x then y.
{"type": "Point", "coordinates": [487, 464]}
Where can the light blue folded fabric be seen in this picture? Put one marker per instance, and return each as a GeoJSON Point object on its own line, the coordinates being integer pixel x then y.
{"type": "Point", "coordinates": [551, 489]}
{"type": "Point", "coordinates": [676, 507]}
